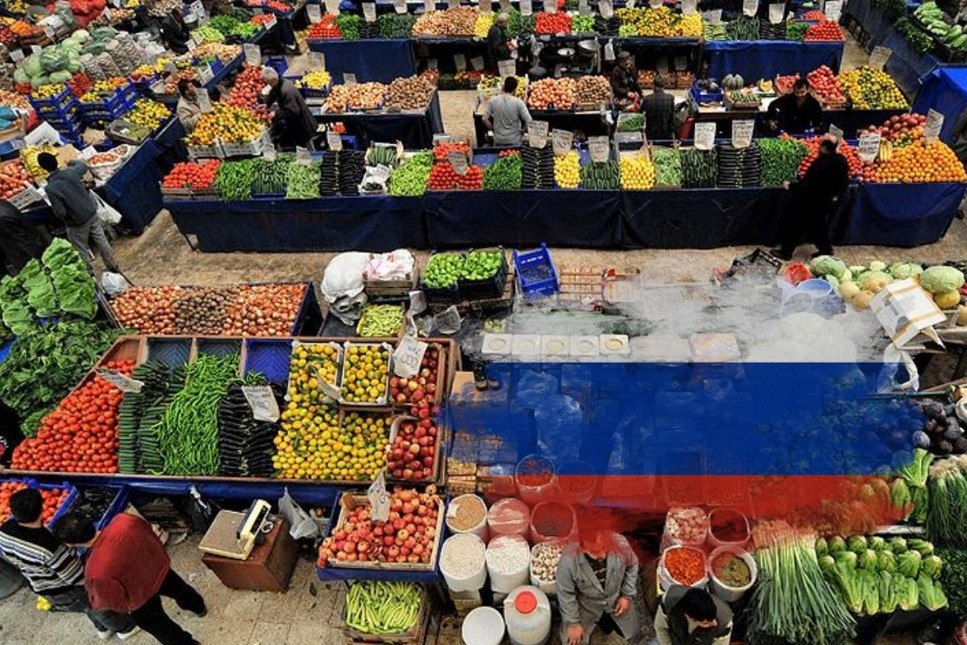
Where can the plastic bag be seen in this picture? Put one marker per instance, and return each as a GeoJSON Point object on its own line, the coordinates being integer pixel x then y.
{"type": "Point", "coordinates": [395, 265]}
{"type": "Point", "coordinates": [114, 284]}
{"type": "Point", "coordinates": [343, 277]}
{"type": "Point", "coordinates": [105, 212]}
{"type": "Point", "coordinates": [301, 525]}
{"type": "Point", "coordinates": [201, 512]}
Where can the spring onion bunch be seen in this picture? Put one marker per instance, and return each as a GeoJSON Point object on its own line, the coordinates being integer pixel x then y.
{"type": "Point", "coordinates": [946, 522]}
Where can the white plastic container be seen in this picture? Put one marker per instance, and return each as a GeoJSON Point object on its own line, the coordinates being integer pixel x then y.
{"type": "Point", "coordinates": [726, 593]}
{"type": "Point", "coordinates": [527, 614]}
{"type": "Point", "coordinates": [508, 516]}
{"type": "Point", "coordinates": [665, 579]}
{"type": "Point", "coordinates": [480, 530]}
{"type": "Point", "coordinates": [500, 551]}
{"type": "Point", "coordinates": [483, 626]}
{"type": "Point", "coordinates": [462, 581]}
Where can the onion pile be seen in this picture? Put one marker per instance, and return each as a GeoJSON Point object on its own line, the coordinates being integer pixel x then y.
{"type": "Point", "coordinates": [150, 310]}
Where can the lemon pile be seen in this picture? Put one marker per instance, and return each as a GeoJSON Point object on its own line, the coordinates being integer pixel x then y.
{"type": "Point", "coordinates": [637, 173]}
{"type": "Point", "coordinates": [360, 450]}
{"type": "Point", "coordinates": [567, 170]}
{"type": "Point", "coordinates": [482, 25]}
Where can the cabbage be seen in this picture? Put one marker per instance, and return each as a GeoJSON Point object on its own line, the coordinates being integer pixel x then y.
{"type": "Point", "coordinates": [81, 36]}
{"type": "Point", "coordinates": [876, 265]}
{"type": "Point", "coordinates": [75, 66]}
{"type": "Point", "coordinates": [898, 545]}
{"type": "Point", "coordinates": [847, 275]}
{"type": "Point", "coordinates": [831, 279]}
{"type": "Point", "coordinates": [38, 81]}
{"type": "Point", "coordinates": [931, 566]}
{"type": "Point", "coordinates": [908, 564]}
{"type": "Point", "coordinates": [828, 265]}
{"type": "Point", "coordinates": [904, 270]}
{"type": "Point", "coordinates": [20, 75]}
{"type": "Point", "coordinates": [941, 279]}
{"type": "Point", "coordinates": [867, 560]}
{"type": "Point", "coordinates": [876, 542]}
{"type": "Point", "coordinates": [32, 66]}
{"type": "Point", "coordinates": [60, 77]}
{"type": "Point", "coordinates": [857, 544]}
{"type": "Point", "coordinates": [873, 281]}
{"type": "Point", "coordinates": [886, 562]}
{"type": "Point", "coordinates": [836, 544]}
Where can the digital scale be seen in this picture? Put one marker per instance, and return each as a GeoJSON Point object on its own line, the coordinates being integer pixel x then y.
{"type": "Point", "coordinates": [234, 535]}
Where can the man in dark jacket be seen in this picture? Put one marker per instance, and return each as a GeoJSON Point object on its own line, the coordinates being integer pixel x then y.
{"type": "Point", "coordinates": [691, 616]}
{"type": "Point", "coordinates": [293, 123]}
{"type": "Point", "coordinates": [175, 32]}
{"type": "Point", "coordinates": [659, 109]}
{"type": "Point", "coordinates": [20, 242]}
{"type": "Point", "coordinates": [796, 112]}
{"type": "Point", "coordinates": [498, 44]}
{"type": "Point", "coordinates": [72, 203]}
{"type": "Point", "coordinates": [624, 81]}
{"type": "Point", "coordinates": [811, 202]}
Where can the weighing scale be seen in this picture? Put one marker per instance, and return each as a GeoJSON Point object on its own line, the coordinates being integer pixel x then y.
{"type": "Point", "coordinates": [234, 535]}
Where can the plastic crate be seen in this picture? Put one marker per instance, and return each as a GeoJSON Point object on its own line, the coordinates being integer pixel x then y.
{"type": "Point", "coordinates": [268, 357]}
{"type": "Point", "coordinates": [490, 287]}
{"type": "Point", "coordinates": [58, 101]}
{"type": "Point", "coordinates": [218, 347]}
{"type": "Point", "coordinates": [441, 294]}
{"type": "Point", "coordinates": [702, 96]}
{"type": "Point", "coordinates": [65, 505]}
{"type": "Point", "coordinates": [536, 274]}
{"type": "Point", "coordinates": [278, 63]}
{"type": "Point", "coordinates": [173, 352]}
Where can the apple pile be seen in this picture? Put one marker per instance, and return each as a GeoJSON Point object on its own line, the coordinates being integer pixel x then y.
{"type": "Point", "coordinates": [421, 390]}
{"type": "Point", "coordinates": [405, 538]}
{"type": "Point", "coordinates": [413, 452]}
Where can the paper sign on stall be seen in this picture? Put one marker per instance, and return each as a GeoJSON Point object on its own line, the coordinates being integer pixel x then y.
{"type": "Point", "coordinates": [453, 4]}
{"type": "Point", "coordinates": [253, 56]}
{"type": "Point", "coordinates": [654, 4]}
{"type": "Point", "coordinates": [460, 62]}
{"type": "Point", "coordinates": [600, 149]}
{"type": "Point", "coordinates": [348, 78]}
{"type": "Point", "coordinates": [715, 17]}
{"type": "Point", "coordinates": [931, 129]}
{"type": "Point", "coordinates": [441, 138]}
{"type": "Point", "coordinates": [369, 11]}
{"type": "Point", "coordinates": [836, 132]}
{"type": "Point", "coordinates": [459, 162]}
{"type": "Point", "coordinates": [88, 152]}
{"type": "Point", "coordinates": [314, 12]}
{"type": "Point", "coordinates": [906, 311]}
{"type": "Point", "coordinates": [879, 56]}
{"type": "Point", "coordinates": [477, 62]}
{"type": "Point", "coordinates": [120, 381]}
{"type": "Point", "coordinates": [408, 357]}
{"type": "Point", "coordinates": [303, 156]}
{"type": "Point", "coordinates": [537, 134]}
{"type": "Point", "coordinates": [485, 7]}
{"type": "Point", "coordinates": [429, 5]}
{"type": "Point", "coordinates": [505, 5]}
{"type": "Point", "coordinates": [606, 9]}
{"type": "Point", "coordinates": [562, 141]}
{"type": "Point", "coordinates": [869, 146]}
{"type": "Point", "coordinates": [833, 10]}
{"type": "Point", "coordinates": [584, 8]}
{"type": "Point", "coordinates": [750, 7]}
{"type": "Point", "coordinates": [705, 135]}
{"type": "Point", "coordinates": [332, 7]}
{"type": "Point", "coordinates": [777, 11]}
{"type": "Point", "coordinates": [400, 6]}
{"type": "Point", "coordinates": [334, 140]}
{"type": "Point", "coordinates": [689, 7]}
{"type": "Point", "coordinates": [16, 55]}
{"type": "Point", "coordinates": [378, 499]}
{"type": "Point", "coordinates": [205, 73]}
{"type": "Point", "coordinates": [432, 63]}
{"type": "Point", "coordinates": [268, 150]}
{"type": "Point", "coordinates": [526, 7]}
{"type": "Point", "coordinates": [550, 7]}
{"type": "Point", "coordinates": [630, 4]}
{"type": "Point", "coordinates": [262, 401]}
{"type": "Point", "coordinates": [204, 101]}
{"type": "Point", "coordinates": [317, 60]}
{"type": "Point", "coordinates": [507, 68]}
{"type": "Point", "coordinates": [742, 132]}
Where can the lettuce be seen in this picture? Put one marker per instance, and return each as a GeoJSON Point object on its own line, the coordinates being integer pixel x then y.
{"type": "Point", "coordinates": [941, 279]}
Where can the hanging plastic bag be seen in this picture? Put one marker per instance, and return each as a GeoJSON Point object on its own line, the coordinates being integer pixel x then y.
{"type": "Point", "coordinates": [105, 212]}
{"type": "Point", "coordinates": [301, 524]}
{"type": "Point", "coordinates": [114, 284]}
{"type": "Point", "coordinates": [201, 512]}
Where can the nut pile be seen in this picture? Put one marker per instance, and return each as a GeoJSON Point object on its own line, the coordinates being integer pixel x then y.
{"type": "Point", "coordinates": [412, 93]}
{"type": "Point", "coordinates": [202, 311]}
{"type": "Point", "coordinates": [544, 560]}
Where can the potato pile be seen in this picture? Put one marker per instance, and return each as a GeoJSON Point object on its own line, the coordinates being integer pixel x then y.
{"type": "Point", "coordinates": [413, 93]}
{"type": "Point", "coordinates": [593, 90]}
{"type": "Point", "coordinates": [202, 311]}
{"type": "Point", "coordinates": [364, 96]}
{"type": "Point", "coordinates": [452, 22]}
{"type": "Point", "coordinates": [552, 93]}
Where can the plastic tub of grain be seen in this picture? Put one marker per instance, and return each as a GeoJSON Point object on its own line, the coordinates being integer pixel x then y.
{"type": "Point", "coordinates": [535, 478]}
{"type": "Point", "coordinates": [682, 565]}
{"type": "Point", "coordinates": [463, 562]}
{"type": "Point", "coordinates": [468, 514]}
{"type": "Point", "coordinates": [508, 563]}
{"type": "Point", "coordinates": [577, 482]}
{"type": "Point", "coordinates": [509, 516]}
{"type": "Point", "coordinates": [727, 527]}
{"type": "Point", "coordinates": [552, 521]}
{"type": "Point", "coordinates": [732, 572]}
{"type": "Point", "coordinates": [483, 626]}
{"type": "Point", "coordinates": [543, 568]}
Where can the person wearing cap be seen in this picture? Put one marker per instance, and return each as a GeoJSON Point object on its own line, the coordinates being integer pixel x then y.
{"type": "Point", "coordinates": [659, 109]}
{"type": "Point", "coordinates": [624, 82]}
{"type": "Point", "coordinates": [692, 616]}
{"type": "Point", "coordinates": [188, 110]}
{"type": "Point", "coordinates": [292, 122]}
{"type": "Point", "coordinates": [499, 44]}
{"type": "Point", "coordinates": [597, 581]}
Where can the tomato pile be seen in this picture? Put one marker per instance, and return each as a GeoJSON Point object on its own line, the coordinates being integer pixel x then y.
{"type": "Point", "coordinates": [441, 150]}
{"type": "Point", "coordinates": [261, 19]}
{"type": "Point", "coordinates": [276, 6]}
{"type": "Point", "coordinates": [13, 176]}
{"type": "Point", "coordinates": [845, 149]}
{"type": "Point", "coordinates": [444, 177]}
{"type": "Point", "coordinates": [53, 498]}
{"type": "Point", "coordinates": [81, 435]}
{"type": "Point", "coordinates": [920, 163]}
{"type": "Point", "coordinates": [325, 28]}
{"type": "Point", "coordinates": [552, 23]}
{"type": "Point", "coordinates": [826, 30]}
{"type": "Point", "coordinates": [815, 14]}
{"type": "Point", "coordinates": [248, 85]}
{"type": "Point", "coordinates": [195, 175]}
{"type": "Point", "coordinates": [413, 452]}
{"type": "Point", "coordinates": [824, 85]}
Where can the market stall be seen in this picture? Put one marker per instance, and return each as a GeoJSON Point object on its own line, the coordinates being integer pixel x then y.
{"type": "Point", "coordinates": [944, 90]}
{"type": "Point", "coordinates": [378, 59]}
{"type": "Point", "coordinates": [414, 128]}
{"type": "Point", "coordinates": [768, 59]}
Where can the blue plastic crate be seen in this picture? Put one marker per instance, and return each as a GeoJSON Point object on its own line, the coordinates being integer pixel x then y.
{"type": "Point", "coordinates": [278, 63]}
{"type": "Point", "coordinates": [173, 352]}
{"type": "Point", "coordinates": [268, 357]}
{"type": "Point", "coordinates": [536, 274]}
{"type": "Point", "coordinates": [218, 347]}
{"type": "Point", "coordinates": [65, 505]}
{"type": "Point", "coordinates": [117, 507]}
{"type": "Point", "coordinates": [54, 102]}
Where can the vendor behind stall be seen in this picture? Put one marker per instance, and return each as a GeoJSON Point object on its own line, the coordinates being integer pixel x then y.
{"type": "Point", "coordinates": [292, 122]}
{"type": "Point", "coordinates": [188, 110]}
{"type": "Point", "coordinates": [499, 45]}
{"type": "Point", "coordinates": [691, 616]}
{"type": "Point", "coordinates": [174, 32]}
{"type": "Point", "coordinates": [624, 82]}
{"type": "Point", "coordinates": [796, 112]}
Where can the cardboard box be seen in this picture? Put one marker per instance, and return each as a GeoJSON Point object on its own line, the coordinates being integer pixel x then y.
{"type": "Point", "coordinates": [907, 312]}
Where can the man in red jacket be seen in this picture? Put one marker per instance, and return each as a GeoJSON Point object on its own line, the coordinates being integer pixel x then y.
{"type": "Point", "coordinates": [128, 570]}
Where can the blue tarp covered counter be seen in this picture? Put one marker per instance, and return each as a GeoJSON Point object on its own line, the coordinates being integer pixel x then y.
{"type": "Point", "coordinates": [379, 60]}
{"type": "Point", "coordinates": [769, 58]}
{"type": "Point", "coordinates": [944, 90]}
{"type": "Point", "coordinates": [897, 215]}
{"type": "Point", "coordinates": [414, 129]}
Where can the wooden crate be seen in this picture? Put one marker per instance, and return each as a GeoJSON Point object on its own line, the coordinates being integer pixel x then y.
{"type": "Point", "coordinates": [349, 501]}
{"type": "Point", "coordinates": [393, 288]}
{"type": "Point", "coordinates": [415, 636]}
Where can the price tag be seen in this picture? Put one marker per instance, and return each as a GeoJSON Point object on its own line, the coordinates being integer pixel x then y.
{"type": "Point", "coordinates": [705, 135]}
{"type": "Point", "coordinates": [204, 101]}
{"type": "Point", "coordinates": [107, 13]}
{"type": "Point", "coordinates": [477, 62]}
{"type": "Point", "coordinates": [253, 56]}
{"type": "Point", "coordinates": [171, 68]}
{"type": "Point", "coordinates": [584, 8]}
{"type": "Point", "coordinates": [879, 57]}
{"type": "Point", "coordinates": [600, 149]}
{"type": "Point", "coordinates": [777, 11]}
{"type": "Point", "coordinates": [191, 44]}
{"type": "Point", "coordinates": [334, 140]}
{"type": "Point", "coordinates": [526, 7]}
{"type": "Point", "coordinates": [197, 8]}
{"type": "Point", "coordinates": [332, 7]}
{"type": "Point", "coordinates": [742, 132]}
{"type": "Point", "coordinates": [485, 7]}
{"type": "Point", "coordinates": [550, 7]}
{"type": "Point", "coordinates": [459, 162]}
{"type": "Point", "coordinates": [537, 134]}
{"type": "Point", "coordinates": [606, 9]}
{"type": "Point", "coordinates": [429, 5]}
{"type": "Point", "coordinates": [689, 7]}
{"type": "Point", "coordinates": [36, 49]}
{"type": "Point", "coordinates": [453, 4]}
{"type": "Point", "coordinates": [348, 78]}
{"type": "Point", "coordinates": [317, 60]}
{"type": "Point", "coordinates": [262, 401]}
{"type": "Point", "coordinates": [460, 62]}
{"type": "Point", "coordinates": [314, 12]}
{"type": "Point", "coordinates": [88, 152]}
{"type": "Point", "coordinates": [408, 357]}
{"type": "Point", "coordinates": [869, 146]}
{"type": "Point", "coordinates": [49, 31]}
{"type": "Point", "coordinates": [303, 156]}
{"type": "Point", "coordinates": [507, 68]}
{"type": "Point", "coordinates": [16, 55]}
{"type": "Point", "coordinates": [562, 141]}
{"type": "Point", "coordinates": [432, 63]}
{"type": "Point", "coordinates": [836, 132]}
{"type": "Point", "coordinates": [505, 5]}
{"type": "Point", "coordinates": [931, 129]}
{"type": "Point", "coordinates": [654, 4]}
{"type": "Point", "coordinates": [378, 499]}
{"type": "Point", "coordinates": [833, 10]}
{"type": "Point", "coordinates": [120, 381]}
{"type": "Point", "coordinates": [369, 11]}
{"type": "Point", "coordinates": [205, 74]}
{"type": "Point", "coordinates": [715, 17]}
{"type": "Point", "coordinates": [750, 7]}
{"type": "Point", "coordinates": [268, 150]}
{"type": "Point", "coordinates": [400, 6]}
{"type": "Point", "coordinates": [631, 4]}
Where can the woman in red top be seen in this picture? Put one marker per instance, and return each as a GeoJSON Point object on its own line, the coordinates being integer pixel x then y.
{"type": "Point", "coordinates": [128, 570]}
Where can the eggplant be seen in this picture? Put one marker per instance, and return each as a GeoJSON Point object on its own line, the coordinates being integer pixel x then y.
{"type": "Point", "coordinates": [943, 447]}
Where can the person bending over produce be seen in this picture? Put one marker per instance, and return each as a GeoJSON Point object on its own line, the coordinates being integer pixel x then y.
{"type": "Point", "coordinates": [624, 82]}
{"type": "Point", "coordinates": [507, 115]}
{"type": "Point", "coordinates": [128, 570]}
{"type": "Point", "coordinates": [52, 569]}
{"type": "Point", "coordinates": [174, 32]}
{"type": "Point", "coordinates": [597, 580]}
{"type": "Point", "coordinates": [188, 110]}
{"type": "Point", "coordinates": [659, 109]}
{"type": "Point", "coordinates": [811, 200]}
{"type": "Point", "coordinates": [292, 123]}
{"type": "Point", "coordinates": [796, 112]}
{"type": "Point", "coordinates": [692, 616]}
{"type": "Point", "coordinates": [498, 44]}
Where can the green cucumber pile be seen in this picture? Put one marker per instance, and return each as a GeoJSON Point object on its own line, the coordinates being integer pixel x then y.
{"type": "Point", "coordinates": [383, 607]}
{"type": "Point", "coordinates": [699, 168]}
{"type": "Point", "coordinates": [140, 415]}
{"type": "Point", "coordinates": [270, 177]}
{"type": "Point", "coordinates": [600, 176]}
{"type": "Point", "coordinates": [381, 156]}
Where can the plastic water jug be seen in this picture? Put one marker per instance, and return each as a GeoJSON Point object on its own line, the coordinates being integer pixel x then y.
{"type": "Point", "coordinates": [483, 626]}
{"type": "Point", "coordinates": [527, 613]}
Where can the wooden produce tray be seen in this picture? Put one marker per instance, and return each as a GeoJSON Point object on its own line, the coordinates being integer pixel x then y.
{"type": "Point", "coordinates": [416, 635]}
{"type": "Point", "coordinates": [393, 288]}
{"type": "Point", "coordinates": [349, 501]}
{"type": "Point", "coordinates": [464, 307]}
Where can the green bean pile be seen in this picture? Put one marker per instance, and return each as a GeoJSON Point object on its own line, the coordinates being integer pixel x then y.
{"type": "Point", "coordinates": [188, 433]}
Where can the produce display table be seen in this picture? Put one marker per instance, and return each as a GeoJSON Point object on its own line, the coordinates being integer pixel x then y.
{"type": "Point", "coordinates": [414, 130]}
{"type": "Point", "coordinates": [850, 121]}
{"type": "Point", "coordinates": [591, 123]}
{"type": "Point", "coordinates": [382, 60]}
{"type": "Point", "coordinates": [897, 215]}
{"type": "Point", "coordinates": [945, 90]}
{"type": "Point", "coordinates": [768, 58]}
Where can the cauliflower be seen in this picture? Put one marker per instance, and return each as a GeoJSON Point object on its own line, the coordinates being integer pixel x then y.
{"type": "Point", "coordinates": [904, 270]}
{"type": "Point", "coordinates": [828, 265]}
{"type": "Point", "coordinates": [876, 265]}
{"type": "Point", "coordinates": [941, 279]}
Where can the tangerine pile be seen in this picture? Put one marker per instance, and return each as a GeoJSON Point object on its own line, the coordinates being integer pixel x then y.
{"type": "Point", "coordinates": [920, 163]}
{"type": "Point", "coordinates": [227, 123]}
